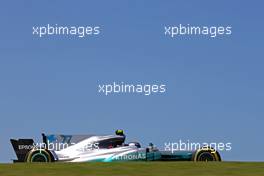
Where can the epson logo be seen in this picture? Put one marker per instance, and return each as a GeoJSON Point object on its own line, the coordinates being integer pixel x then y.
{"type": "Point", "coordinates": [25, 147]}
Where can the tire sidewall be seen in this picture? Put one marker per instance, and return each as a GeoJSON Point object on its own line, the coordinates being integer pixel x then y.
{"type": "Point", "coordinates": [35, 152]}
{"type": "Point", "coordinates": [212, 152]}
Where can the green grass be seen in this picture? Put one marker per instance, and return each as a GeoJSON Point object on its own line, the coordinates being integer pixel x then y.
{"type": "Point", "coordinates": [134, 168]}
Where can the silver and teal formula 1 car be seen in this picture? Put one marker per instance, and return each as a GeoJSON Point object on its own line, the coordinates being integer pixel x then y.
{"type": "Point", "coordinates": [102, 148]}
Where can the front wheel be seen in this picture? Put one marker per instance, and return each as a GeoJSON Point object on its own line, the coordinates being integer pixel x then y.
{"type": "Point", "coordinates": [206, 154]}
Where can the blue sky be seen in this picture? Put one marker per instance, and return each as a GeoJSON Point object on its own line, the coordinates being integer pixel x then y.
{"type": "Point", "coordinates": [214, 86]}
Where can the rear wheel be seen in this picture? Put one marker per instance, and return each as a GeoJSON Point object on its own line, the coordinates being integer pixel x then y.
{"type": "Point", "coordinates": [206, 154]}
{"type": "Point", "coordinates": [39, 155]}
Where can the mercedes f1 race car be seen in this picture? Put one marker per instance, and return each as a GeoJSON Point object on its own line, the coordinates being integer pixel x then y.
{"type": "Point", "coordinates": [102, 148]}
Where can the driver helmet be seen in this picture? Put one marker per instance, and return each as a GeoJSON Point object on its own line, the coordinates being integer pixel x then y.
{"type": "Point", "coordinates": [119, 132]}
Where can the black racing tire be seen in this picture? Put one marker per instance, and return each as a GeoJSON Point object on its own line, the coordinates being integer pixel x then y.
{"type": "Point", "coordinates": [39, 155]}
{"type": "Point", "coordinates": [206, 154]}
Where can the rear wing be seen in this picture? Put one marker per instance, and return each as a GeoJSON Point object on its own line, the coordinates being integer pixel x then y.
{"type": "Point", "coordinates": [21, 148]}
